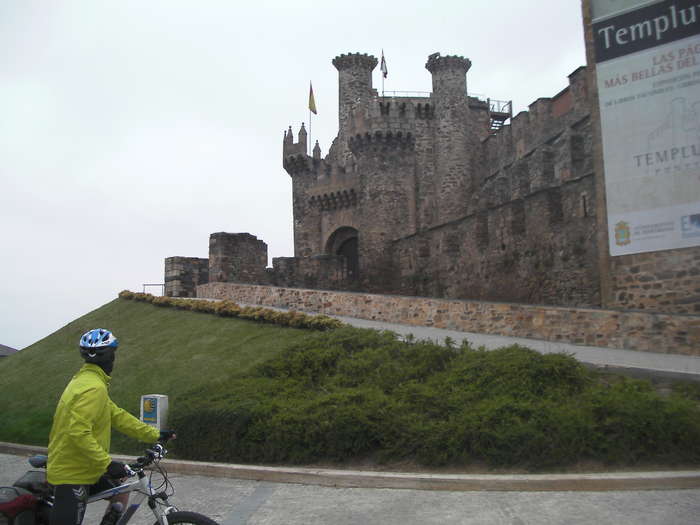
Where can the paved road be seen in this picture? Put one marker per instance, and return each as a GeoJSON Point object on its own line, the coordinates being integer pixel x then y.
{"type": "Point", "coordinates": [238, 502]}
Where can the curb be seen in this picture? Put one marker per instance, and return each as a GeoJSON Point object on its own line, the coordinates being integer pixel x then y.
{"type": "Point", "coordinates": [595, 482]}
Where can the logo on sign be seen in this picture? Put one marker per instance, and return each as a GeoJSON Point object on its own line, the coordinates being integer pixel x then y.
{"type": "Point", "coordinates": [623, 235]}
{"type": "Point", "coordinates": [150, 409]}
{"type": "Point", "coordinates": [690, 225]}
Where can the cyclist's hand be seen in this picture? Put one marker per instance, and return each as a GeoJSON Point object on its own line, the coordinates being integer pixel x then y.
{"type": "Point", "coordinates": [117, 469]}
{"type": "Point", "coordinates": [165, 435]}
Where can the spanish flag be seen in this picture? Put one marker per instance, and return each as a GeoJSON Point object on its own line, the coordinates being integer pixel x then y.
{"type": "Point", "coordinates": [312, 102]}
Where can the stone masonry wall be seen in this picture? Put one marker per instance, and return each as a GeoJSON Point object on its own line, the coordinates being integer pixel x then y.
{"type": "Point", "coordinates": [539, 250]}
{"type": "Point", "coordinates": [666, 281]}
{"type": "Point", "coordinates": [662, 333]}
{"type": "Point", "coordinates": [325, 272]}
{"type": "Point", "coordinates": [183, 274]}
{"type": "Point", "coordinates": [530, 234]}
{"type": "Point", "coordinates": [237, 257]}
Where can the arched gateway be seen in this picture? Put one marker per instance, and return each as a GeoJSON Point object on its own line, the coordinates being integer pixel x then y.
{"type": "Point", "coordinates": [344, 241]}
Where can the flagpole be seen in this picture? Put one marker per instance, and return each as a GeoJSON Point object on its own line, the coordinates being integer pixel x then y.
{"type": "Point", "coordinates": [311, 94]}
{"type": "Point", "coordinates": [383, 70]}
{"type": "Point", "coordinates": [312, 109]}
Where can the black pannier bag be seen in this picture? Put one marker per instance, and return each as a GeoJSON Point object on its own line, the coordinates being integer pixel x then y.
{"type": "Point", "coordinates": [17, 506]}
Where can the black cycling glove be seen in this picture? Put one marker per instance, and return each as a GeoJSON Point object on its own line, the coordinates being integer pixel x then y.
{"type": "Point", "coordinates": [117, 469]}
{"type": "Point", "coordinates": [165, 435]}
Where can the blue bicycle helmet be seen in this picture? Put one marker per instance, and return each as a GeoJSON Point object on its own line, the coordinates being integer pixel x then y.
{"type": "Point", "coordinates": [97, 342]}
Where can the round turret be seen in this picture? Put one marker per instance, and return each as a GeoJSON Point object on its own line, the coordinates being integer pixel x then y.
{"type": "Point", "coordinates": [354, 81]}
{"type": "Point", "coordinates": [449, 74]}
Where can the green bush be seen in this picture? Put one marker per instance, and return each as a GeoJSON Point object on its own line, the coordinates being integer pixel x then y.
{"type": "Point", "coordinates": [687, 389]}
{"type": "Point", "coordinates": [633, 423]}
{"type": "Point", "coordinates": [350, 393]}
{"type": "Point", "coordinates": [230, 309]}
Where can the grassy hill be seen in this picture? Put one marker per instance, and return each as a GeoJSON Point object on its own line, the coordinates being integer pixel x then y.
{"type": "Point", "coordinates": [243, 391]}
{"type": "Point", "coordinates": [162, 351]}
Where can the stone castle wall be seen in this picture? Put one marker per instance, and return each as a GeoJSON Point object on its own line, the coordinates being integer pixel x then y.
{"type": "Point", "coordinates": [420, 196]}
{"type": "Point", "coordinates": [530, 236]}
{"type": "Point", "coordinates": [667, 281]}
{"type": "Point", "coordinates": [538, 249]}
{"type": "Point", "coordinates": [184, 274]}
{"type": "Point", "coordinates": [326, 272]}
{"type": "Point", "coordinates": [237, 257]}
{"type": "Point", "coordinates": [662, 333]}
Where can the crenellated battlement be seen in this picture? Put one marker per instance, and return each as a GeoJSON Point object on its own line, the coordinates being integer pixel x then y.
{"type": "Point", "coordinates": [297, 164]}
{"type": "Point", "coordinates": [437, 63]}
{"type": "Point", "coordinates": [294, 154]}
{"type": "Point", "coordinates": [403, 108]}
{"type": "Point", "coordinates": [289, 147]}
{"type": "Point", "coordinates": [335, 200]}
{"type": "Point", "coordinates": [381, 140]}
{"type": "Point", "coordinates": [355, 61]}
{"type": "Point", "coordinates": [391, 115]}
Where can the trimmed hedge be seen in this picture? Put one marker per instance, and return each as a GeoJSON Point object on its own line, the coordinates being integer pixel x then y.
{"type": "Point", "coordinates": [351, 393]}
{"type": "Point", "coordinates": [230, 309]}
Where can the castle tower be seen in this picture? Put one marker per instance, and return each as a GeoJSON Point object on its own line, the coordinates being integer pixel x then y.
{"type": "Point", "coordinates": [237, 258]}
{"type": "Point", "coordinates": [386, 209]}
{"type": "Point", "coordinates": [455, 141]}
{"type": "Point", "coordinates": [355, 83]}
{"type": "Point", "coordinates": [449, 75]}
{"type": "Point", "coordinates": [304, 174]}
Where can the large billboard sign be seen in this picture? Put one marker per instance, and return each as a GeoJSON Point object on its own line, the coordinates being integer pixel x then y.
{"type": "Point", "coordinates": [648, 68]}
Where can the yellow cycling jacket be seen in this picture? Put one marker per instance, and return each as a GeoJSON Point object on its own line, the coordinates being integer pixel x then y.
{"type": "Point", "coordinates": [81, 431]}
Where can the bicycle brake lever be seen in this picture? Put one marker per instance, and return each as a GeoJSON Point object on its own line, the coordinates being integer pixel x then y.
{"type": "Point", "coordinates": [158, 451]}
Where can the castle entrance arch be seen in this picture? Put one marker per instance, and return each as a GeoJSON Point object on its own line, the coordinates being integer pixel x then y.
{"type": "Point", "coordinates": [343, 241]}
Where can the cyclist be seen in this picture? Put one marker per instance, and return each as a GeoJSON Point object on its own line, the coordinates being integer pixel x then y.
{"type": "Point", "coordinates": [79, 463]}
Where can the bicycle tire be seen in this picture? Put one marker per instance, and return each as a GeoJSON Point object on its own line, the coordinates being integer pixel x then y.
{"type": "Point", "coordinates": [183, 517]}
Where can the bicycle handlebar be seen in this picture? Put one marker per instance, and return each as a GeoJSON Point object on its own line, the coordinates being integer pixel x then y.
{"type": "Point", "coordinates": [156, 452]}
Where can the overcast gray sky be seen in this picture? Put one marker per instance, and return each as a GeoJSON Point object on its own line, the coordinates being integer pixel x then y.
{"type": "Point", "coordinates": [131, 130]}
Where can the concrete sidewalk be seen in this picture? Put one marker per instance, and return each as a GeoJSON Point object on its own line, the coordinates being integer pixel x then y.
{"type": "Point", "coordinates": [633, 362]}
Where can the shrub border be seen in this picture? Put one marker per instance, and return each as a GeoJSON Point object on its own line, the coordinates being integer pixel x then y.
{"type": "Point", "coordinates": [228, 308]}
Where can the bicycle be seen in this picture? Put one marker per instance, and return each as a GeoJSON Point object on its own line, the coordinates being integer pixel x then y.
{"type": "Point", "coordinates": [157, 497]}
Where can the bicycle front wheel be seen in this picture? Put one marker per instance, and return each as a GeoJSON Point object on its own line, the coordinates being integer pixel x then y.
{"type": "Point", "coordinates": [183, 517]}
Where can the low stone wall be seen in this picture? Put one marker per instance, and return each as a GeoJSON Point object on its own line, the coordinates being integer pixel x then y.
{"type": "Point", "coordinates": [662, 333]}
{"type": "Point", "coordinates": [319, 271]}
{"type": "Point", "coordinates": [667, 281]}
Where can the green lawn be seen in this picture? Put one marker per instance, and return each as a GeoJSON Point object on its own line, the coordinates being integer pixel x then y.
{"type": "Point", "coordinates": [161, 351]}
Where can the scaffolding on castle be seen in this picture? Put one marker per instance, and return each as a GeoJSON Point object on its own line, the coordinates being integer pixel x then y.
{"type": "Point", "coordinates": [499, 112]}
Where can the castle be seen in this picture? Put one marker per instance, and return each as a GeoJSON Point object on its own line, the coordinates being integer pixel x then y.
{"type": "Point", "coordinates": [438, 196]}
